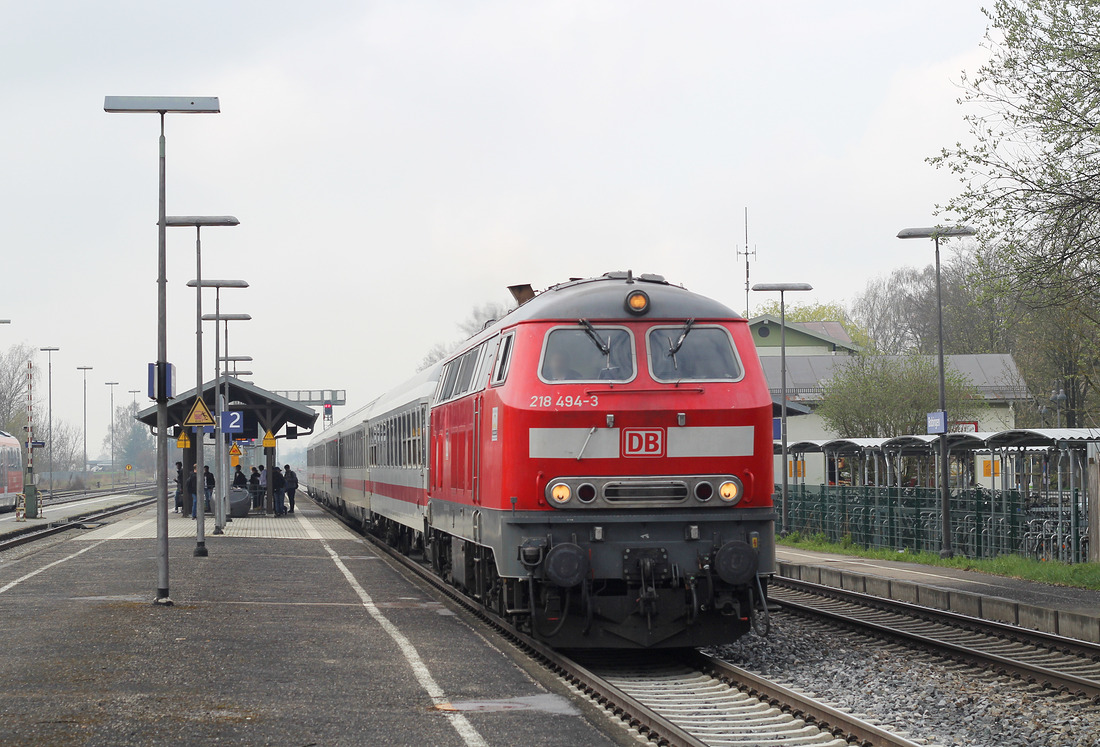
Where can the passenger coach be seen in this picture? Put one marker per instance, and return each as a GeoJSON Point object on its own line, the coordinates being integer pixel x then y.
{"type": "Point", "coordinates": [596, 466]}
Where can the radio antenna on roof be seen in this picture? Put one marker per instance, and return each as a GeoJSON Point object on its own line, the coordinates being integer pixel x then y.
{"type": "Point", "coordinates": [747, 253]}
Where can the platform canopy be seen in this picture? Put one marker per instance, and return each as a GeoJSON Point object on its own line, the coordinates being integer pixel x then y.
{"type": "Point", "coordinates": [267, 410]}
{"type": "Point", "coordinates": [1040, 438]}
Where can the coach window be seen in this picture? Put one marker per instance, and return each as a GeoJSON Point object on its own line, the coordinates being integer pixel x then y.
{"type": "Point", "coordinates": [698, 353]}
{"type": "Point", "coordinates": [587, 353]}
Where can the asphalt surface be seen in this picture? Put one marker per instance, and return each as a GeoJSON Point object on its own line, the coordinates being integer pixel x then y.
{"type": "Point", "coordinates": [268, 642]}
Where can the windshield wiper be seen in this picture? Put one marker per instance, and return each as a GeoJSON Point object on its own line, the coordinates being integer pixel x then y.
{"type": "Point", "coordinates": [605, 347]}
{"type": "Point", "coordinates": [674, 347]}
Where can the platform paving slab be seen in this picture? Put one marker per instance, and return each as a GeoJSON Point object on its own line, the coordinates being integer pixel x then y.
{"type": "Point", "coordinates": [267, 643]}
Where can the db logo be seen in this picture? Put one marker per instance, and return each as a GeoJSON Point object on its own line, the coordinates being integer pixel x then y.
{"type": "Point", "coordinates": [639, 442]}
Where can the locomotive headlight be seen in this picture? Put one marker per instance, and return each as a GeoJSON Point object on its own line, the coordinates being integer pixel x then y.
{"type": "Point", "coordinates": [637, 302]}
{"type": "Point", "coordinates": [561, 493]}
{"type": "Point", "coordinates": [730, 491]}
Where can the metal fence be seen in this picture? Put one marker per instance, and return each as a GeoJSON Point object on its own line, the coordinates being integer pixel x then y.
{"type": "Point", "coordinates": [984, 523]}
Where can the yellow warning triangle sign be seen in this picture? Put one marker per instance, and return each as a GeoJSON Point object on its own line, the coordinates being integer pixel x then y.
{"type": "Point", "coordinates": [269, 440]}
{"type": "Point", "coordinates": [183, 442]}
{"type": "Point", "coordinates": [235, 450]}
{"type": "Point", "coordinates": [199, 415]}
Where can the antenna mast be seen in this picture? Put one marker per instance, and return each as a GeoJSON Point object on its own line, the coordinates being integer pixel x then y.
{"type": "Point", "coordinates": [747, 253]}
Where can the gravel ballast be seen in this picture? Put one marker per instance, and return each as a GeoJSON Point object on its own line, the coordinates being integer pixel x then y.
{"type": "Point", "coordinates": [928, 698]}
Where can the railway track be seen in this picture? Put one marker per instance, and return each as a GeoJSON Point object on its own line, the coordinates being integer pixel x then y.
{"type": "Point", "coordinates": [32, 533]}
{"type": "Point", "coordinates": [688, 699]}
{"type": "Point", "coordinates": [1064, 664]}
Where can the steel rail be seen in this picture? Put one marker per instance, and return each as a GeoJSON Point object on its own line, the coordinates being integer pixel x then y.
{"type": "Point", "coordinates": [72, 522]}
{"type": "Point", "coordinates": [997, 628]}
{"type": "Point", "coordinates": [831, 719]}
{"type": "Point", "coordinates": [1005, 665]}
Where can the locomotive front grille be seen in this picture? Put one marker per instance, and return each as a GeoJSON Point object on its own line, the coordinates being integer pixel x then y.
{"type": "Point", "coordinates": [656, 491]}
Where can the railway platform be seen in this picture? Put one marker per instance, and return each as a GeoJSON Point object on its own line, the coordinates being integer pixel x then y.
{"type": "Point", "coordinates": [1065, 611]}
{"type": "Point", "coordinates": [69, 511]}
{"type": "Point", "coordinates": [292, 631]}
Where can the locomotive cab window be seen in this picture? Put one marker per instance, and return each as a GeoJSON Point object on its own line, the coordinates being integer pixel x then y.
{"type": "Point", "coordinates": [687, 351]}
{"type": "Point", "coordinates": [504, 357]}
{"type": "Point", "coordinates": [587, 353]}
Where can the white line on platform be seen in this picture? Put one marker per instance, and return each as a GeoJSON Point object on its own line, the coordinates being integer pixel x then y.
{"type": "Point", "coordinates": [460, 723]}
{"type": "Point", "coordinates": [32, 574]}
{"type": "Point", "coordinates": [72, 504]}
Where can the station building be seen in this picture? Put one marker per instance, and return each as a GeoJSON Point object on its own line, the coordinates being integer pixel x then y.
{"type": "Point", "coordinates": [815, 350]}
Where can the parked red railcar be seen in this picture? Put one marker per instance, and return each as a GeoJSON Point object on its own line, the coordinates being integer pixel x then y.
{"type": "Point", "coordinates": [596, 466]}
{"type": "Point", "coordinates": [11, 471]}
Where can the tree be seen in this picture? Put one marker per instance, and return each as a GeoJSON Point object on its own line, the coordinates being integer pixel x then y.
{"type": "Point", "coordinates": [878, 396]}
{"type": "Point", "coordinates": [478, 319]}
{"type": "Point", "coordinates": [819, 312]}
{"type": "Point", "coordinates": [900, 311]}
{"type": "Point", "coordinates": [13, 387]}
{"type": "Point", "coordinates": [1031, 180]}
{"type": "Point", "coordinates": [134, 444]}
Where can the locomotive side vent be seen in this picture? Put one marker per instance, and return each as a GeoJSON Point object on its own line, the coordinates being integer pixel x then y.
{"type": "Point", "coordinates": [640, 491]}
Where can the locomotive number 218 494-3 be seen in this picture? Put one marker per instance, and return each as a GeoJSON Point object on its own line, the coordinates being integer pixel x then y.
{"type": "Point", "coordinates": [564, 400]}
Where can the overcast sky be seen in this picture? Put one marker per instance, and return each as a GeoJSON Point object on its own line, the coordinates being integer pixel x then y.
{"type": "Point", "coordinates": [393, 164]}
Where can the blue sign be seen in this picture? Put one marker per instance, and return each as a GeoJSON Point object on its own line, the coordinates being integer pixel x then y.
{"type": "Point", "coordinates": [232, 421]}
{"type": "Point", "coordinates": [169, 381]}
{"type": "Point", "coordinates": [38, 444]}
{"type": "Point", "coordinates": [937, 422]}
{"type": "Point", "coordinates": [777, 429]}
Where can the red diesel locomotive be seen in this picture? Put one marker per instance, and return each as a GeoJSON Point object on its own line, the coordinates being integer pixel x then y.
{"type": "Point", "coordinates": [595, 466]}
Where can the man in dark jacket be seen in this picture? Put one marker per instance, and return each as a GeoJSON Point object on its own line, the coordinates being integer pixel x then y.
{"type": "Point", "coordinates": [291, 486]}
{"type": "Point", "coordinates": [208, 479]}
{"type": "Point", "coordinates": [179, 487]}
{"type": "Point", "coordinates": [278, 486]}
{"type": "Point", "coordinates": [192, 483]}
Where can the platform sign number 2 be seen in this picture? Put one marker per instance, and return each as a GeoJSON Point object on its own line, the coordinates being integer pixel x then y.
{"type": "Point", "coordinates": [232, 421]}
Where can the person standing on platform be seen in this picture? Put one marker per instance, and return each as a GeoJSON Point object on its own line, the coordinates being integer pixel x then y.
{"type": "Point", "coordinates": [239, 480]}
{"type": "Point", "coordinates": [278, 487]}
{"type": "Point", "coordinates": [179, 487]}
{"type": "Point", "coordinates": [208, 479]}
{"type": "Point", "coordinates": [192, 485]}
{"type": "Point", "coordinates": [254, 488]}
{"type": "Point", "coordinates": [291, 480]}
{"type": "Point", "coordinates": [263, 488]}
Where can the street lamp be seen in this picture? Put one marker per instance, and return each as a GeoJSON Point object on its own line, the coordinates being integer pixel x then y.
{"type": "Point", "coordinates": [112, 384]}
{"type": "Point", "coordinates": [162, 105]}
{"type": "Point", "coordinates": [783, 288]}
{"type": "Point", "coordinates": [223, 462]}
{"type": "Point", "coordinates": [134, 392]}
{"type": "Point", "coordinates": [221, 489]}
{"type": "Point", "coordinates": [198, 221]}
{"type": "Point", "coordinates": [935, 233]}
{"type": "Point", "coordinates": [49, 389]}
{"type": "Point", "coordinates": [84, 468]}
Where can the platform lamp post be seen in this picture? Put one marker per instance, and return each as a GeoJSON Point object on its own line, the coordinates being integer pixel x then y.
{"type": "Point", "coordinates": [783, 288]}
{"type": "Point", "coordinates": [221, 488]}
{"type": "Point", "coordinates": [112, 384]}
{"type": "Point", "coordinates": [216, 318]}
{"type": "Point", "coordinates": [162, 105]}
{"type": "Point", "coordinates": [84, 468]}
{"type": "Point", "coordinates": [49, 397]}
{"type": "Point", "coordinates": [197, 222]}
{"type": "Point", "coordinates": [935, 233]}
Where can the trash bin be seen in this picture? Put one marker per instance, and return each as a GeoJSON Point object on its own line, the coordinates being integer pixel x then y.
{"type": "Point", "coordinates": [239, 502]}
